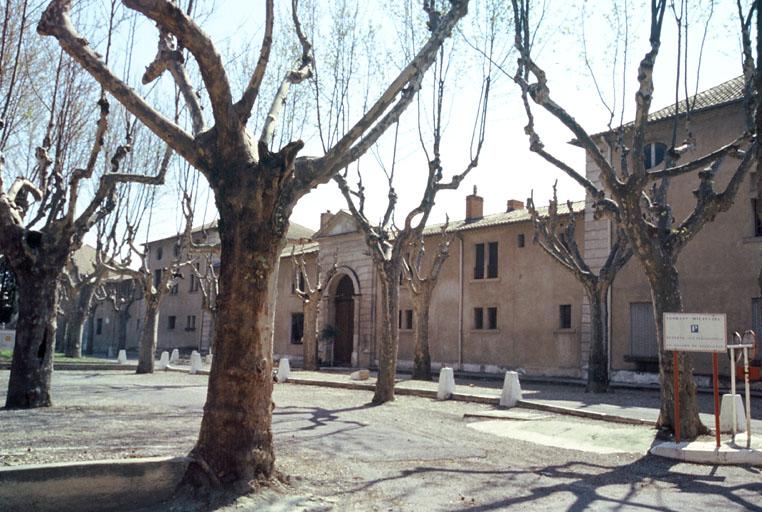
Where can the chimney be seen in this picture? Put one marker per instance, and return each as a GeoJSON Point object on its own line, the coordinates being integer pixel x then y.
{"type": "Point", "coordinates": [325, 217]}
{"type": "Point", "coordinates": [474, 206]}
{"type": "Point", "coordinates": [514, 204]}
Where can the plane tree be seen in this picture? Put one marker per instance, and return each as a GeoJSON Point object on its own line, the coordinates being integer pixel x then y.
{"type": "Point", "coordinates": [255, 188]}
{"type": "Point", "coordinates": [635, 197]}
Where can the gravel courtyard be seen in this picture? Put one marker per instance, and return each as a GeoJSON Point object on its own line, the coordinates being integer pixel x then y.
{"type": "Point", "coordinates": [413, 454]}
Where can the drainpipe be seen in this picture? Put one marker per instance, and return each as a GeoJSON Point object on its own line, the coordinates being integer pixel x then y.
{"type": "Point", "coordinates": [460, 302]}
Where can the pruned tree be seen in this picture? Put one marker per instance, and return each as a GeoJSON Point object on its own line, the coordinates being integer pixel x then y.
{"type": "Point", "coordinates": [120, 294]}
{"type": "Point", "coordinates": [155, 284]}
{"type": "Point", "coordinates": [635, 198]}
{"type": "Point", "coordinates": [555, 232]}
{"type": "Point", "coordinates": [421, 281]}
{"type": "Point", "coordinates": [78, 290]}
{"type": "Point", "coordinates": [311, 298]}
{"type": "Point", "coordinates": [255, 188]}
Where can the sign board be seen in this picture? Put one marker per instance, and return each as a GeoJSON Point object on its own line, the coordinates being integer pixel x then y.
{"type": "Point", "coordinates": [7, 338]}
{"type": "Point", "coordinates": [695, 332]}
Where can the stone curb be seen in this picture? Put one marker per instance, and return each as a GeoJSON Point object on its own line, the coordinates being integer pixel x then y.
{"type": "Point", "coordinates": [107, 485]}
{"type": "Point", "coordinates": [706, 452]}
{"type": "Point", "coordinates": [85, 367]}
{"type": "Point", "coordinates": [483, 399]}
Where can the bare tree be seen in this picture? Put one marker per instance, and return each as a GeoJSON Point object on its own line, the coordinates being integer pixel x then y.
{"type": "Point", "coordinates": [555, 232]}
{"type": "Point", "coordinates": [311, 297]}
{"type": "Point", "coordinates": [421, 283]}
{"type": "Point", "coordinates": [636, 199]}
{"type": "Point", "coordinates": [255, 190]}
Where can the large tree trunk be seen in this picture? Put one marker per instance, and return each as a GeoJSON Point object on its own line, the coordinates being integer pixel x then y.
{"type": "Point", "coordinates": [235, 444]}
{"type": "Point", "coordinates": [388, 344]}
{"type": "Point", "coordinates": [309, 338]}
{"type": "Point", "coordinates": [598, 361]}
{"type": "Point", "coordinates": [665, 287]}
{"type": "Point", "coordinates": [422, 358]}
{"type": "Point", "coordinates": [32, 366]}
{"type": "Point", "coordinates": [147, 346]}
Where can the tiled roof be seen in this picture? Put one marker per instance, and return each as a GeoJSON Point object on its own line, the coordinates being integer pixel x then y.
{"type": "Point", "coordinates": [498, 219]}
{"type": "Point", "coordinates": [726, 92]}
{"type": "Point", "coordinates": [299, 249]}
{"type": "Point", "coordinates": [295, 232]}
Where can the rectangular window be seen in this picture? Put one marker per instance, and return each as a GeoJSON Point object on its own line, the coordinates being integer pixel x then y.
{"type": "Point", "coordinates": [173, 290]}
{"type": "Point", "coordinates": [297, 328]}
{"type": "Point", "coordinates": [492, 261]}
{"type": "Point", "coordinates": [171, 320]}
{"type": "Point", "coordinates": [298, 282]}
{"type": "Point", "coordinates": [156, 277]}
{"type": "Point", "coordinates": [642, 330]}
{"type": "Point", "coordinates": [405, 319]}
{"type": "Point", "coordinates": [177, 250]}
{"type": "Point", "coordinates": [491, 318]}
{"type": "Point", "coordinates": [757, 218]}
{"type": "Point", "coordinates": [478, 318]}
{"type": "Point", "coordinates": [479, 261]}
{"type": "Point", "coordinates": [564, 316]}
{"type": "Point", "coordinates": [137, 325]}
{"type": "Point", "coordinates": [756, 320]}
{"type": "Point", "coordinates": [520, 240]}
{"type": "Point", "coordinates": [193, 282]}
{"type": "Point", "coordinates": [99, 326]}
{"type": "Point", "coordinates": [190, 324]}
{"type": "Point", "coordinates": [159, 253]}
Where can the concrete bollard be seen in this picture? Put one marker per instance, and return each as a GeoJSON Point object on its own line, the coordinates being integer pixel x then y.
{"type": "Point", "coordinates": [360, 375]}
{"type": "Point", "coordinates": [175, 357]}
{"type": "Point", "coordinates": [446, 384]}
{"type": "Point", "coordinates": [511, 390]}
{"type": "Point", "coordinates": [122, 357]}
{"type": "Point", "coordinates": [284, 369]}
{"type": "Point", "coordinates": [208, 359]}
{"type": "Point", "coordinates": [726, 414]}
{"type": "Point", "coordinates": [163, 361]}
{"type": "Point", "coordinates": [196, 363]}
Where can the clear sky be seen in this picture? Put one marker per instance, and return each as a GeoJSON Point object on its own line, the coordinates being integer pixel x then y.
{"type": "Point", "coordinates": [507, 170]}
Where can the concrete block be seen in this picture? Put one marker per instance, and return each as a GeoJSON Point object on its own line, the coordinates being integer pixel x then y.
{"type": "Point", "coordinates": [726, 413]}
{"type": "Point", "coordinates": [511, 390]}
{"type": "Point", "coordinates": [284, 369]}
{"type": "Point", "coordinates": [196, 363]}
{"type": "Point", "coordinates": [492, 368]}
{"type": "Point", "coordinates": [360, 375]}
{"type": "Point", "coordinates": [122, 357]}
{"type": "Point", "coordinates": [175, 357]}
{"type": "Point", "coordinates": [446, 384]}
{"type": "Point", "coordinates": [163, 361]}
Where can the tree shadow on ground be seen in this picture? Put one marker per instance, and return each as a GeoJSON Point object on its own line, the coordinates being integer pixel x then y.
{"type": "Point", "coordinates": [315, 417]}
{"type": "Point", "coordinates": [585, 482]}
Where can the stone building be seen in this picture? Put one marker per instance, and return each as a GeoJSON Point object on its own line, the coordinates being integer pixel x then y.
{"type": "Point", "coordinates": [501, 302]}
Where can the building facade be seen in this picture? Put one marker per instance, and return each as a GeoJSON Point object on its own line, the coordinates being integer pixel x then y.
{"type": "Point", "coordinates": [500, 302]}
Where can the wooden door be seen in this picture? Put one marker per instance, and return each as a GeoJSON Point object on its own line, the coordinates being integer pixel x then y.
{"type": "Point", "coordinates": [344, 323]}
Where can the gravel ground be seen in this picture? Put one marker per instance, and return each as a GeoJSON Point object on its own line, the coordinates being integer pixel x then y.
{"type": "Point", "coordinates": [340, 454]}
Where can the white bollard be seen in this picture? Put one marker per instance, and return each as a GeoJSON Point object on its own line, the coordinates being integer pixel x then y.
{"type": "Point", "coordinates": [175, 357]}
{"type": "Point", "coordinates": [196, 363]}
{"type": "Point", "coordinates": [446, 384]}
{"type": "Point", "coordinates": [122, 357]}
{"type": "Point", "coordinates": [726, 414]}
{"type": "Point", "coordinates": [163, 361]}
{"type": "Point", "coordinates": [511, 390]}
{"type": "Point", "coordinates": [208, 359]}
{"type": "Point", "coordinates": [284, 369]}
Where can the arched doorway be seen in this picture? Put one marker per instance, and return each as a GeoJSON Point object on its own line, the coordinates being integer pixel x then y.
{"type": "Point", "coordinates": [344, 321]}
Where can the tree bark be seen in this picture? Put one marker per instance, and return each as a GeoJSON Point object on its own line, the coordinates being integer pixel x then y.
{"type": "Point", "coordinates": [422, 357]}
{"type": "Point", "coordinates": [32, 366]}
{"type": "Point", "coordinates": [665, 287]}
{"type": "Point", "coordinates": [235, 445]}
{"type": "Point", "coordinates": [598, 361]}
{"type": "Point", "coordinates": [147, 346]}
{"type": "Point", "coordinates": [387, 355]}
{"type": "Point", "coordinates": [309, 338]}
